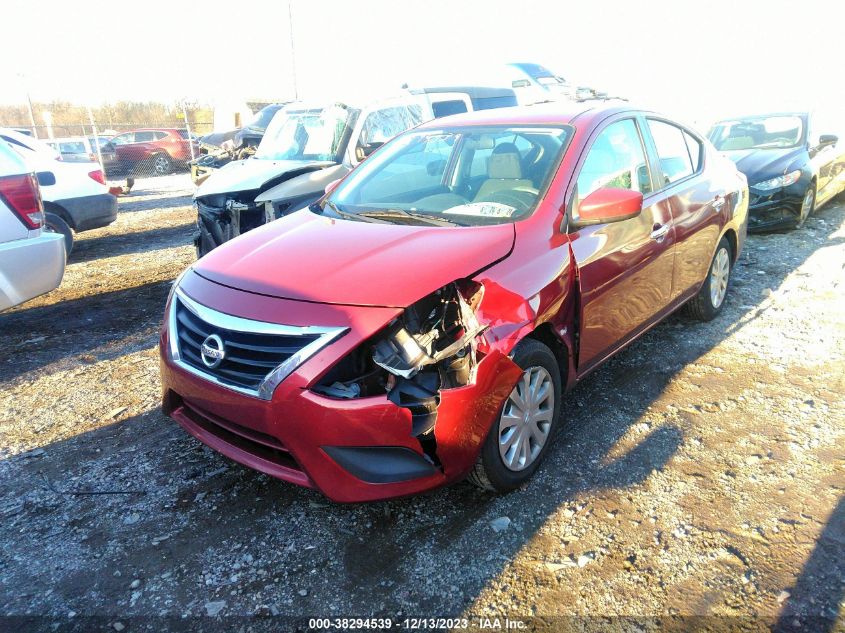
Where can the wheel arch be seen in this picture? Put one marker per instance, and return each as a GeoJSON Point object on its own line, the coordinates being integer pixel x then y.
{"type": "Point", "coordinates": [59, 210]}
{"type": "Point", "coordinates": [545, 334]}
{"type": "Point", "coordinates": [733, 242]}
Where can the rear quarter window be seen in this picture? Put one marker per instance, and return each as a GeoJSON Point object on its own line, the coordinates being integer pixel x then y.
{"type": "Point", "coordinates": [672, 150]}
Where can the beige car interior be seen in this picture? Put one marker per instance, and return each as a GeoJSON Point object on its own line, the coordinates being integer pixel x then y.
{"type": "Point", "coordinates": [504, 173]}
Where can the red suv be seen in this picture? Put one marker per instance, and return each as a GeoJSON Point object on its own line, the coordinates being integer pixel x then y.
{"type": "Point", "coordinates": [156, 150]}
{"type": "Point", "coordinates": [421, 322]}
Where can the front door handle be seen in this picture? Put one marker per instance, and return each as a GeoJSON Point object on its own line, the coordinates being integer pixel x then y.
{"type": "Point", "coordinates": [659, 231]}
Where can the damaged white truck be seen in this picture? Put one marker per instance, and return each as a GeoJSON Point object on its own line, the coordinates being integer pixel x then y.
{"type": "Point", "coordinates": [308, 146]}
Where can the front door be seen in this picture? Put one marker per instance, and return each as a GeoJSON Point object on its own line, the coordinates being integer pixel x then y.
{"type": "Point", "coordinates": [625, 268]}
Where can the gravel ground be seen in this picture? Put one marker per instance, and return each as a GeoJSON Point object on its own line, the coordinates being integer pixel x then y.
{"type": "Point", "coordinates": [701, 472]}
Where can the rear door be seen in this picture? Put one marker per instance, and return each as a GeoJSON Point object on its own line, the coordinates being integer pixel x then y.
{"type": "Point", "coordinates": [698, 203]}
{"type": "Point", "coordinates": [625, 268]}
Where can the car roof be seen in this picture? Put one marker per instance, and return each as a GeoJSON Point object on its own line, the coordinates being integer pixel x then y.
{"type": "Point", "coordinates": [761, 115]}
{"type": "Point", "coordinates": [549, 113]}
{"type": "Point", "coordinates": [474, 92]}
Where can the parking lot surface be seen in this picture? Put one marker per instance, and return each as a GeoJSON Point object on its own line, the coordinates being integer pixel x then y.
{"type": "Point", "coordinates": [702, 471]}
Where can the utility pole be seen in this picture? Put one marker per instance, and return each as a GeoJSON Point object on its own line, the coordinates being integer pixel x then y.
{"type": "Point", "coordinates": [292, 51]}
{"type": "Point", "coordinates": [29, 105]}
{"type": "Point", "coordinates": [96, 138]}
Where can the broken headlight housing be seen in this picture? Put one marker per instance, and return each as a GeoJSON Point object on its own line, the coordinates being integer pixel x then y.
{"type": "Point", "coordinates": [431, 346]}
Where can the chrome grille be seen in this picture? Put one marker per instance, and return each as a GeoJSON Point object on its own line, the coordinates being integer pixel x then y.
{"type": "Point", "coordinates": [257, 355]}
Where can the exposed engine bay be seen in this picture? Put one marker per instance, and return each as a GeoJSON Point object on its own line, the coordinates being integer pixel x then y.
{"type": "Point", "coordinates": [222, 218]}
{"type": "Point", "coordinates": [431, 346]}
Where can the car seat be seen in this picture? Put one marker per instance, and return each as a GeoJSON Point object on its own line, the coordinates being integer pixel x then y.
{"type": "Point", "coordinates": [504, 173]}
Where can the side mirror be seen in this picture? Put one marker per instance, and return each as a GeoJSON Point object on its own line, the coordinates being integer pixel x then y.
{"type": "Point", "coordinates": [332, 186]}
{"type": "Point", "coordinates": [46, 178]}
{"type": "Point", "coordinates": [608, 205]}
{"type": "Point", "coordinates": [827, 139]}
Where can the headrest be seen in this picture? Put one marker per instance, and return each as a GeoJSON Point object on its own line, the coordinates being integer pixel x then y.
{"type": "Point", "coordinates": [504, 162]}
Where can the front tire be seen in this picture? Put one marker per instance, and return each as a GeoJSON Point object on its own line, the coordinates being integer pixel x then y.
{"type": "Point", "coordinates": [161, 165]}
{"type": "Point", "coordinates": [808, 205]}
{"type": "Point", "coordinates": [520, 436]}
{"type": "Point", "coordinates": [54, 224]}
{"type": "Point", "coordinates": [711, 297]}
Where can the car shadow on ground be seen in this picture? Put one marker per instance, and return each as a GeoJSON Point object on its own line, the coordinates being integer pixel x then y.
{"type": "Point", "coordinates": [40, 336]}
{"type": "Point", "coordinates": [85, 250]}
{"type": "Point", "coordinates": [814, 601]}
{"type": "Point", "coordinates": [141, 497]}
{"type": "Point", "coordinates": [152, 200]}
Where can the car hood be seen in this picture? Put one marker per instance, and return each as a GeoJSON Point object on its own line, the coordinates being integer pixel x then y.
{"type": "Point", "coordinates": [309, 257]}
{"type": "Point", "coordinates": [253, 173]}
{"type": "Point", "coordinates": [216, 139]}
{"type": "Point", "coordinates": [762, 164]}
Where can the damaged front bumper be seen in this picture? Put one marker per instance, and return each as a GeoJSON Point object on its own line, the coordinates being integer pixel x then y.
{"type": "Point", "coordinates": [778, 209]}
{"type": "Point", "coordinates": [219, 224]}
{"type": "Point", "coordinates": [363, 448]}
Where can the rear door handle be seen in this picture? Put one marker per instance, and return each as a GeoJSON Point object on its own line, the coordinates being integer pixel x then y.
{"type": "Point", "coordinates": [659, 232]}
{"type": "Point", "coordinates": [718, 203]}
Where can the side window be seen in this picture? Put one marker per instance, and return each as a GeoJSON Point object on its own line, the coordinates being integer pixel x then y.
{"type": "Point", "coordinates": [672, 150]}
{"type": "Point", "coordinates": [696, 150]}
{"type": "Point", "coordinates": [144, 137]}
{"type": "Point", "coordinates": [122, 139]}
{"type": "Point", "coordinates": [382, 125]}
{"type": "Point", "coordinates": [158, 136]}
{"type": "Point", "coordinates": [616, 160]}
{"type": "Point", "coordinates": [447, 108]}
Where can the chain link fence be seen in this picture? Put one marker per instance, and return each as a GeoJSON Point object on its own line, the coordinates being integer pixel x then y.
{"type": "Point", "coordinates": [127, 139]}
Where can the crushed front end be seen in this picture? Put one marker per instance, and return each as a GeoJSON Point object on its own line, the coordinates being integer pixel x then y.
{"type": "Point", "coordinates": [223, 217]}
{"type": "Point", "coordinates": [393, 403]}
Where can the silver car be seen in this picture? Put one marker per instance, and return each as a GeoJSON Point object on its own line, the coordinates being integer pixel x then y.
{"type": "Point", "coordinates": [32, 261]}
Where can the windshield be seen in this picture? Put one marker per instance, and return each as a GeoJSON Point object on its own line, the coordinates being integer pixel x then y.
{"type": "Point", "coordinates": [765, 132]}
{"type": "Point", "coordinates": [457, 176]}
{"type": "Point", "coordinates": [313, 134]}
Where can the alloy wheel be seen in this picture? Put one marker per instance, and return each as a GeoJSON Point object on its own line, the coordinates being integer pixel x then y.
{"type": "Point", "coordinates": [161, 165]}
{"type": "Point", "coordinates": [526, 419]}
{"type": "Point", "coordinates": [807, 205]}
{"type": "Point", "coordinates": [719, 274]}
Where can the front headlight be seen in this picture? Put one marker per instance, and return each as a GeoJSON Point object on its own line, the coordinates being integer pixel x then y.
{"type": "Point", "coordinates": [170, 317]}
{"type": "Point", "coordinates": [781, 181]}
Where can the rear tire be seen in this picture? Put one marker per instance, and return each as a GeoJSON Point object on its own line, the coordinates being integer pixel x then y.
{"type": "Point", "coordinates": [709, 301]}
{"type": "Point", "coordinates": [501, 466]}
{"type": "Point", "coordinates": [54, 224]}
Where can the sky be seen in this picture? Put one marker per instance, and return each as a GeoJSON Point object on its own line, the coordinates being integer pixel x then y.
{"type": "Point", "coordinates": [695, 60]}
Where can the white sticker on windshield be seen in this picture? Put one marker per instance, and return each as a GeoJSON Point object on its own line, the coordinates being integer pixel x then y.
{"type": "Point", "coordinates": [482, 209]}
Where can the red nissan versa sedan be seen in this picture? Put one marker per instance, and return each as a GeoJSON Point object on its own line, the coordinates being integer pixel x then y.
{"type": "Point", "coordinates": [420, 323]}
